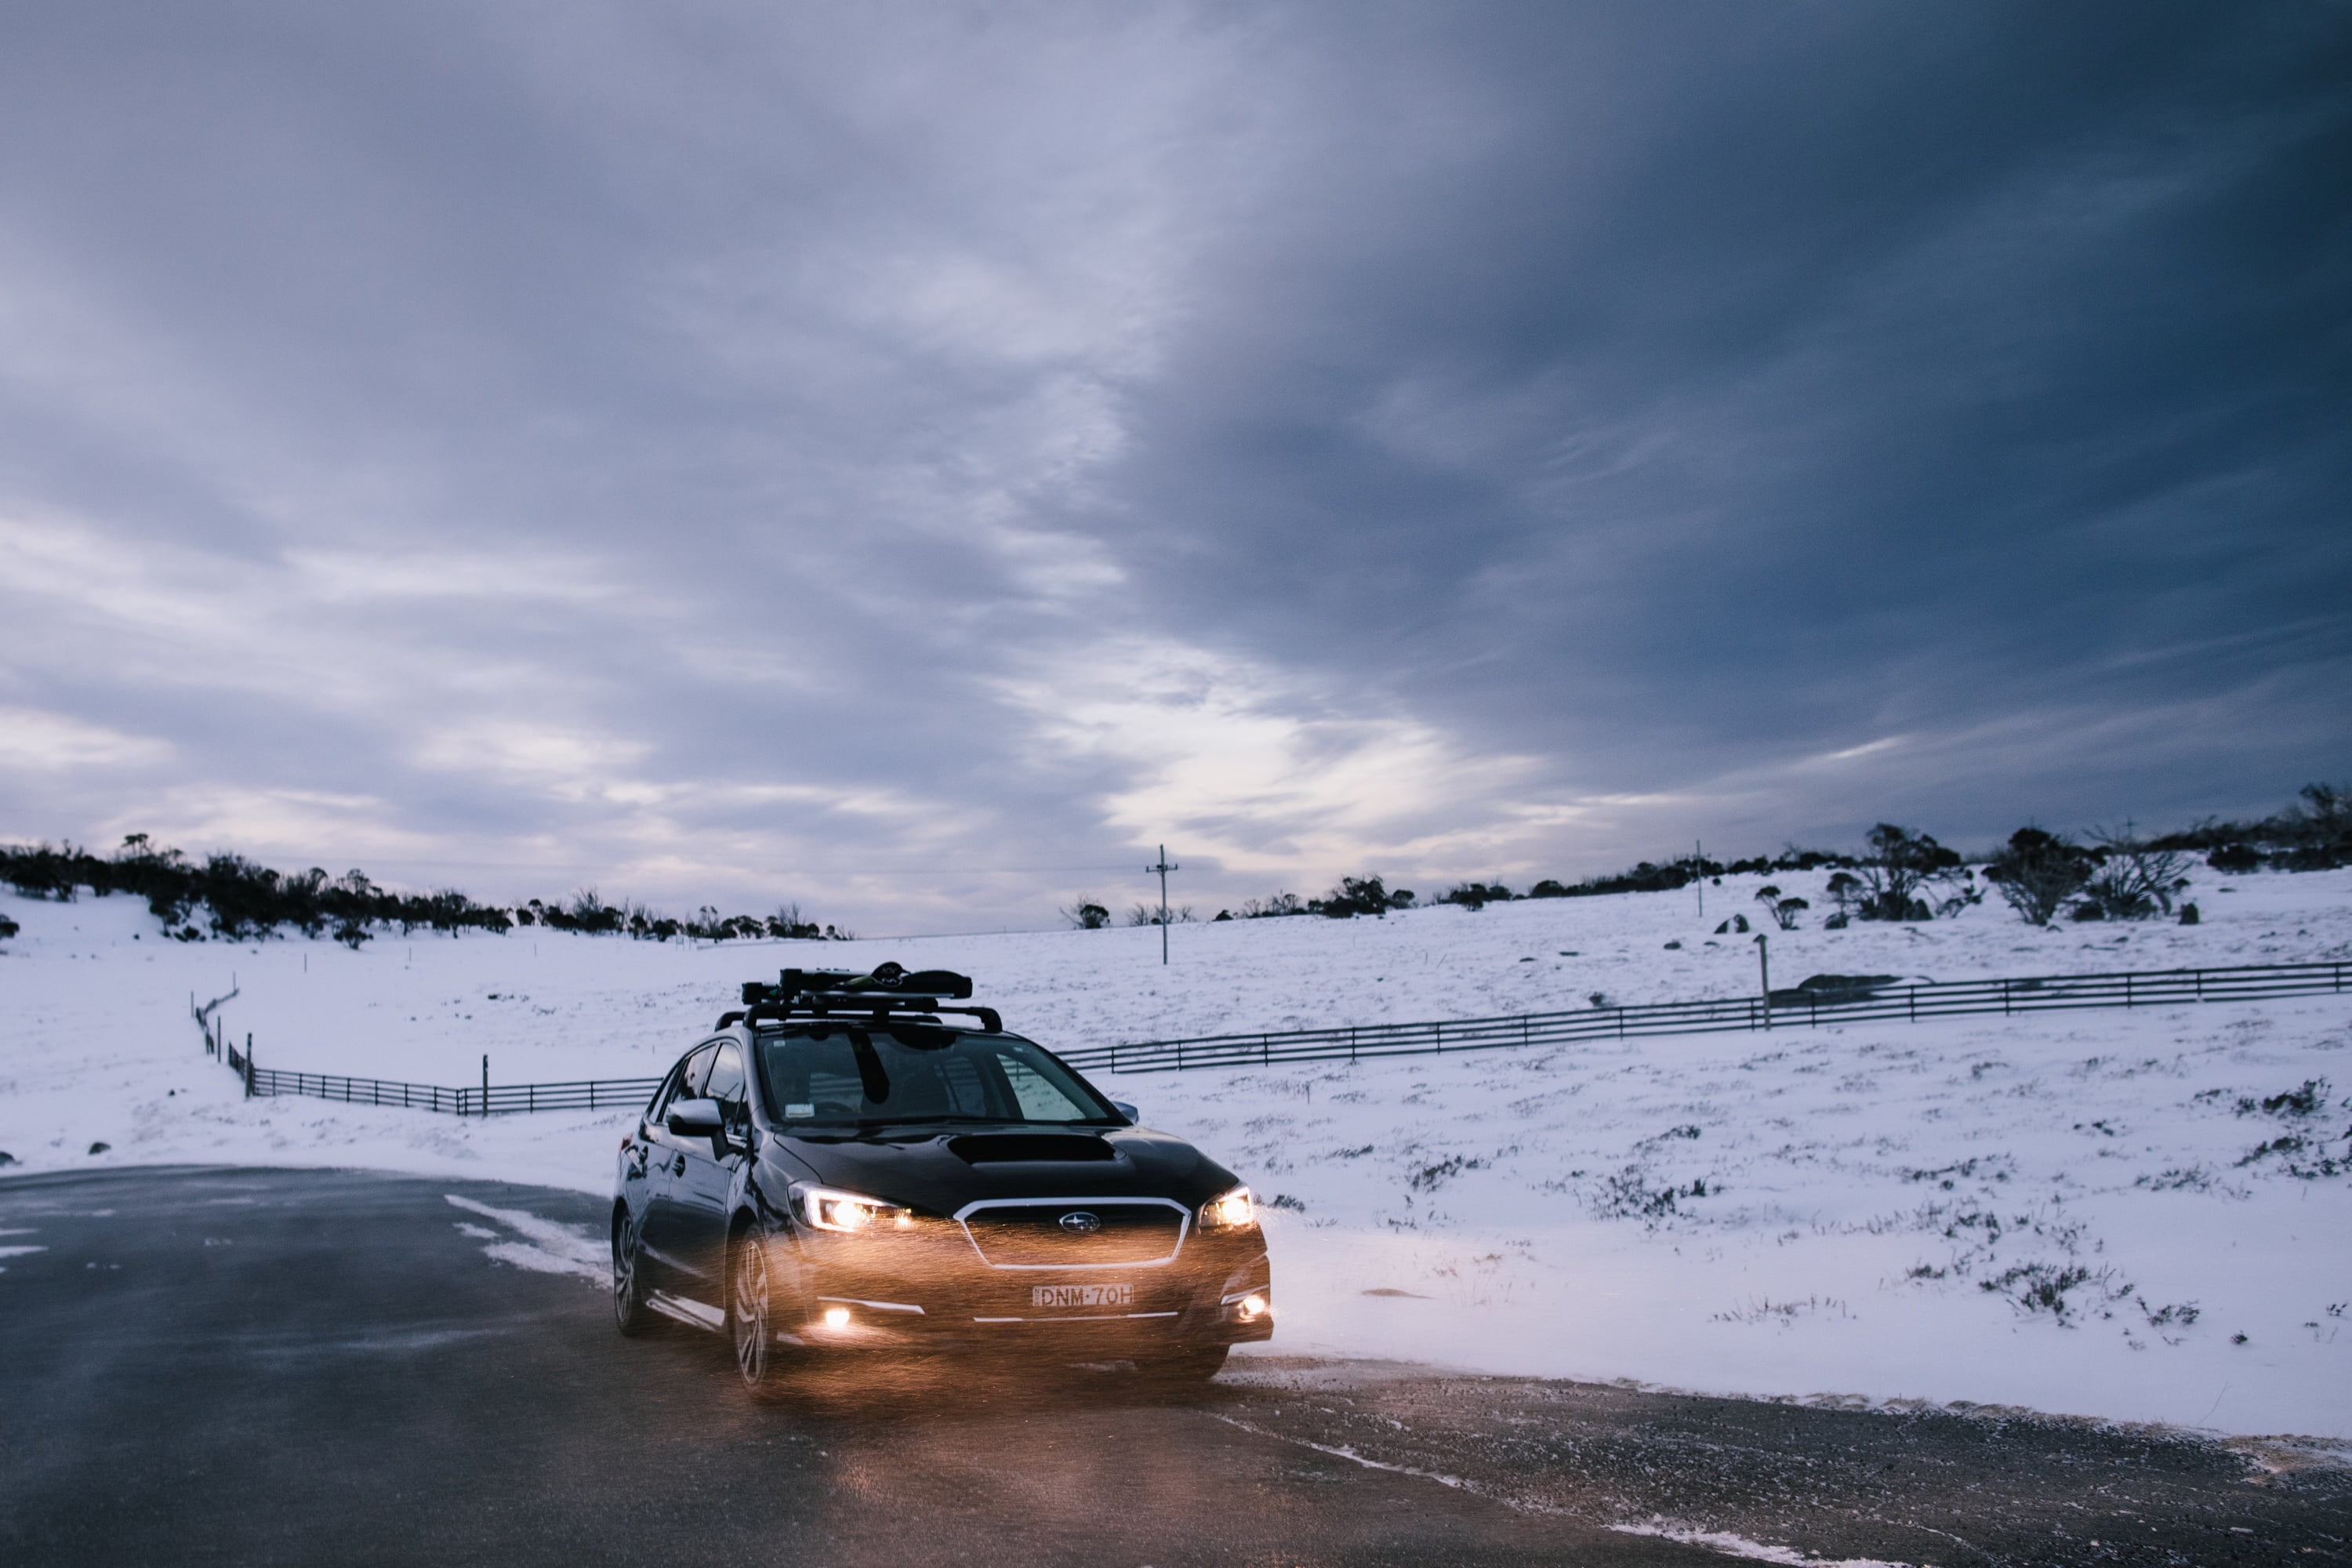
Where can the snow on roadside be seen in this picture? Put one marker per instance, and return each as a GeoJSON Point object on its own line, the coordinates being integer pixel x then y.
{"type": "Point", "coordinates": [547, 1247]}
{"type": "Point", "coordinates": [2075, 1213]}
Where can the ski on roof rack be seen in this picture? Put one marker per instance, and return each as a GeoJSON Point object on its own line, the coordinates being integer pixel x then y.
{"type": "Point", "coordinates": [832, 992]}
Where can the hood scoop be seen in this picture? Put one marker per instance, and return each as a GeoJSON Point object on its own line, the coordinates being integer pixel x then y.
{"type": "Point", "coordinates": [1009, 1148]}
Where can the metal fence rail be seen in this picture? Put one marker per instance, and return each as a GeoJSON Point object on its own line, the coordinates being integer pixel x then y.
{"type": "Point", "coordinates": [490, 1100]}
{"type": "Point", "coordinates": [1784, 1009]}
{"type": "Point", "coordinates": [583, 1094]}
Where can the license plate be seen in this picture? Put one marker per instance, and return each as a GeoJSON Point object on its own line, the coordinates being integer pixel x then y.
{"type": "Point", "coordinates": [1082, 1295]}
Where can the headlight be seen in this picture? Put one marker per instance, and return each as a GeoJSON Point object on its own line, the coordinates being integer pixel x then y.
{"type": "Point", "coordinates": [1230, 1211]}
{"type": "Point", "coordinates": [829, 1210]}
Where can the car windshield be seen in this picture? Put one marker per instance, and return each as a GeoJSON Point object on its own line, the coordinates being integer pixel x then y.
{"type": "Point", "coordinates": [842, 1074]}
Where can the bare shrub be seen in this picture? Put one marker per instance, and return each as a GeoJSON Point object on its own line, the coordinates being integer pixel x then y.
{"type": "Point", "coordinates": [2135, 880]}
{"type": "Point", "coordinates": [1360, 896]}
{"type": "Point", "coordinates": [1908, 875]}
{"type": "Point", "coordinates": [1478, 895]}
{"type": "Point", "coordinates": [2033, 1288]}
{"type": "Point", "coordinates": [1275, 908]}
{"type": "Point", "coordinates": [2037, 872]}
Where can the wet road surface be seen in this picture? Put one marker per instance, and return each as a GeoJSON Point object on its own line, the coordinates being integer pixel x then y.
{"type": "Point", "coordinates": [302, 1367]}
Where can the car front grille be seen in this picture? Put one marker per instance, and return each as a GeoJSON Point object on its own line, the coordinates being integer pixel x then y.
{"type": "Point", "coordinates": [1126, 1233]}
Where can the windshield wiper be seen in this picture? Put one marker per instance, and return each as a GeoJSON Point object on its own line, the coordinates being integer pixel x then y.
{"type": "Point", "coordinates": [928, 1120]}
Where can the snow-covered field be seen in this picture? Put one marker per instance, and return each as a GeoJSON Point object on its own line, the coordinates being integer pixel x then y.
{"type": "Point", "coordinates": [2075, 1213]}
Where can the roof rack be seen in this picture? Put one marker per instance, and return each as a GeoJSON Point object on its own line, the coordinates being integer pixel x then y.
{"type": "Point", "coordinates": [837, 992]}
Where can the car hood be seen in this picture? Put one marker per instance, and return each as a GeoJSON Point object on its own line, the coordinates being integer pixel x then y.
{"type": "Point", "coordinates": [940, 1170]}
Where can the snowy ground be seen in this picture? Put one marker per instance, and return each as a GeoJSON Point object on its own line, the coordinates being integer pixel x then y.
{"type": "Point", "coordinates": [1812, 1213]}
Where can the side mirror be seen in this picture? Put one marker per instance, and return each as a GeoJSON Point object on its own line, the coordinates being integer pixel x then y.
{"type": "Point", "coordinates": [1134, 1117]}
{"type": "Point", "coordinates": [696, 1119]}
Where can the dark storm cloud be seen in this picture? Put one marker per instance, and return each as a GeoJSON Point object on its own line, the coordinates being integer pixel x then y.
{"type": "Point", "coordinates": [1890, 379]}
{"type": "Point", "coordinates": [1880, 374]}
{"type": "Point", "coordinates": [909, 459]}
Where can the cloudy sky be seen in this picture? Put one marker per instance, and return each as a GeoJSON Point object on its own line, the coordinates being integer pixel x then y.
{"type": "Point", "coordinates": [913, 459]}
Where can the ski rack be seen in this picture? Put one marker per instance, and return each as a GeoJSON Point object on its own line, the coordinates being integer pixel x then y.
{"type": "Point", "coordinates": [838, 993]}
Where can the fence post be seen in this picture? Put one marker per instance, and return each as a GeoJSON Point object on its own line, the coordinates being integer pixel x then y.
{"type": "Point", "coordinates": [248, 1064]}
{"type": "Point", "coordinates": [486, 1083]}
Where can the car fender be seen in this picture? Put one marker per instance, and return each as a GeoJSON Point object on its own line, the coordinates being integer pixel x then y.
{"type": "Point", "coordinates": [752, 1211]}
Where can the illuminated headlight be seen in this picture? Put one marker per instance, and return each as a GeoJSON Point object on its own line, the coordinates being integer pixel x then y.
{"type": "Point", "coordinates": [829, 1210]}
{"type": "Point", "coordinates": [1231, 1211]}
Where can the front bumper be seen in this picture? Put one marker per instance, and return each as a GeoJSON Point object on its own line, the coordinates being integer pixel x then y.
{"type": "Point", "coordinates": [886, 1291]}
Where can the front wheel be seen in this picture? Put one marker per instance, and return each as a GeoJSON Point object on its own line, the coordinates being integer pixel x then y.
{"type": "Point", "coordinates": [630, 1313]}
{"type": "Point", "coordinates": [750, 1320]}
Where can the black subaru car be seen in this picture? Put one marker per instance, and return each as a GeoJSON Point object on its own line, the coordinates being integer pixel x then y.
{"type": "Point", "coordinates": [841, 1168]}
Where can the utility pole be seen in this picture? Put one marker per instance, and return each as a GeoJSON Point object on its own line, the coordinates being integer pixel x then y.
{"type": "Point", "coordinates": [1162, 869]}
{"type": "Point", "coordinates": [1698, 875]}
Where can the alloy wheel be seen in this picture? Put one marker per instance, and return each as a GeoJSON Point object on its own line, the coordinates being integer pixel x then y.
{"type": "Point", "coordinates": [751, 1322]}
{"type": "Point", "coordinates": [629, 1310]}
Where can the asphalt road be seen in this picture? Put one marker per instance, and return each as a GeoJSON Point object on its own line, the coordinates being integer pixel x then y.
{"type": "Point", "coordinates": [303, 1367]}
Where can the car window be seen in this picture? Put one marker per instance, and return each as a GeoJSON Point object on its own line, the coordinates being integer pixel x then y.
{"type": "Point", "coordinates": [673, 1089]}
{"type": "Point", "coordinates": [1039, 1098]}
{"type": "Point", "coordinates": [838, 1073]}
{"type": "Point", "coordinates": [725, 1082]}
{"type": "Point", "coordinates": [696, 1074]}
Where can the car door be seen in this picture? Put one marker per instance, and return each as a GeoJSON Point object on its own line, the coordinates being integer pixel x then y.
{"type": "Point", "coordinates": [699, 1189]}
{"type": "Point", "coordinates": [640, 1171]}
{"type": "Point", "coordinates": [666, 1166]}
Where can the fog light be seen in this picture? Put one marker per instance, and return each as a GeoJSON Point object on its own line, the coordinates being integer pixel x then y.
{"type": "Point", "coordinates": [836, 1317]}
{"type": "Point", "coordinates": [1253, 1306]}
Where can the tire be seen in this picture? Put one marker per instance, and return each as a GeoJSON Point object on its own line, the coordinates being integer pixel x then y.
{"type": "Point", "coordinates": [1197, 1364]}
{"type": "Point", "coordinates": [630, 1313]}
{"type": "Point", "coordinates": [760, 1361]}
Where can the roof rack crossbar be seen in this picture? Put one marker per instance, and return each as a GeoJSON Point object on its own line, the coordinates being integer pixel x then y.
{"type": "Point", "coordinates": [870, 1009]}
{"type": "Point", "coordinates": [890, 989]}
